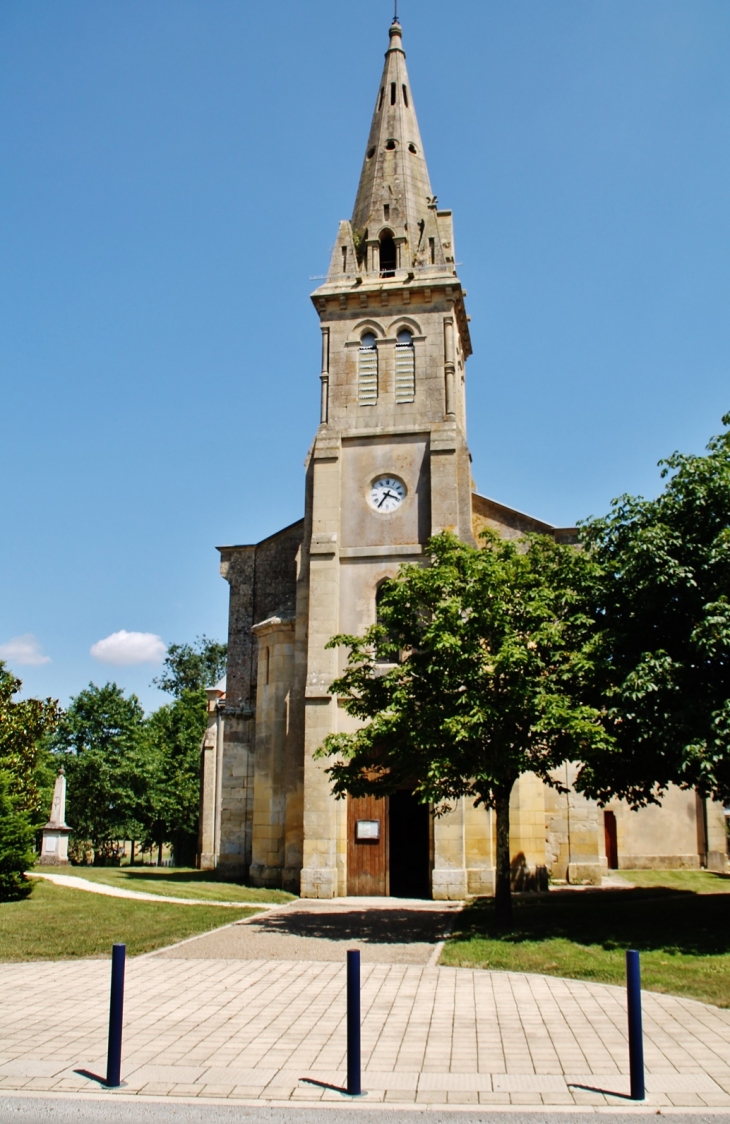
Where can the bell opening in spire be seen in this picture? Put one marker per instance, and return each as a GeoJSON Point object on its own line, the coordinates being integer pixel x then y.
{"type": "Point", "coordinates": [388, 254]}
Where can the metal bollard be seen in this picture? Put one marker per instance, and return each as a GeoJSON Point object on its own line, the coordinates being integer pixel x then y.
{"type": "Point", "coordinates": [354, 1075]}
{"type": "Point", "coordinates": [636, 1041]}
{"type": "Point", "coordinates": [116, 1011]}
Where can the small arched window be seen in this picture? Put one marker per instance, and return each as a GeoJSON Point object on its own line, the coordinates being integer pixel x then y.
{"type": "Point", "coordinates": [388, 255]}
{"type": "Point", "coordinates": [367, 370]}
{"type": "Point", "coordinates": [405, 367]}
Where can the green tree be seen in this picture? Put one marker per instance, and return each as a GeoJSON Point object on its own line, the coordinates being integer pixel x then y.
{"type": "Point", "coordinates": [16, 836]}
{"type": "Point", "coordinates": [100, 736]}
{"type": "Point", "coordinates": [192, 667]}
{"type": "Point", "coordinates": [170, 813]}
{"type": "Point", "coordinates": [490, 651]}
{"type": "Point", "coordinates": [24, 728]}
{"type": "Point", "coordinates": [663, 607]}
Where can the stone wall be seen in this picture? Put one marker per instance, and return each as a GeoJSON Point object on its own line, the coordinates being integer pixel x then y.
{"type": "Point", "coordinates": [262, 579]}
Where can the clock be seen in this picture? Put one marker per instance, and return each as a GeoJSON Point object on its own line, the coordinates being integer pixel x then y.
{"type": "Point", "coordinates": [387, 493]}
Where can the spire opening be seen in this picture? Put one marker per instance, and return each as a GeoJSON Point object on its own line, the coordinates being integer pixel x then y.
{"type": "Point", "coordinates": [388, 174]}
{"type": "Point", "coordinates": [388, 254]}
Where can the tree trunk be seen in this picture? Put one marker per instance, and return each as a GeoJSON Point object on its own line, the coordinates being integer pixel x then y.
{"type": "Point", "coordinates": [503, 888]}
{"type": "Point", "coordinates": [131, 853]}
{"type": "Point", "coordinates": [159, 854]}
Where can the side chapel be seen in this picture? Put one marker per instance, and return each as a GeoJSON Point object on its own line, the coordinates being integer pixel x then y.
{"type": "Point", "coordinates": [389, 467]}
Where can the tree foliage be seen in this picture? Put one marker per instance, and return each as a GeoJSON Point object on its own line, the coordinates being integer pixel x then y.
{"type": "Point", "coordinates": [663, 607]}
{"type": "Point", "coordinates": [192, 667]}
{"type": "Point", "coordinates": [100, 736]}
{"type": "Point", "coordinates": [490, 652]}
{"type": "Point", "coordinates": [172, 737]}
{"type": "Point", "coordinates": [16, 837]}
{"type": "Point", "coordinates": [24, 728]}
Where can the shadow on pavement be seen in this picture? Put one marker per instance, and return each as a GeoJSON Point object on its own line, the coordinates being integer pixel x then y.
{"type": "Point", "coordinates": [370, 926]}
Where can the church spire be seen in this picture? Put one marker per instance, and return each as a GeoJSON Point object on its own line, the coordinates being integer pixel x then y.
{"type": "Point", "coordinates": [394, 193]}
{"type": "Point", "coordinates": [395, 227]}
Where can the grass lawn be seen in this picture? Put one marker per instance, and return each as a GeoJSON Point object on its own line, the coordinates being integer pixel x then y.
{"type": "Point", "coordinates": [59, 924]}
{"type": "Point", "coordinates": [683, 934]}
{"type": "Point", "coordinates": [177, 882]}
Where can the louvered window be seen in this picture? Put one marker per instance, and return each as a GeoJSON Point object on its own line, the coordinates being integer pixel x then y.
{"type": "Point", "coordinates": [367, 371]}
{"type": "Point", "coordinates": [405, 368]}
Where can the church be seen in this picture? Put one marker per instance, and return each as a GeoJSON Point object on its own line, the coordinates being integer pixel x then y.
{"type": "Point", "coordinates": [389, 467]}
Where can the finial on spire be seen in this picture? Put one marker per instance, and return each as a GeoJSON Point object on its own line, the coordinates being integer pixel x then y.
{"type": "Point", "coordinates": [395, 13]}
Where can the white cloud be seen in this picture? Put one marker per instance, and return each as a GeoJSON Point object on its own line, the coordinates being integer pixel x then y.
{"type": "Point", "coordinates": [25, 650]}
{"type": "Point", "coordinates": [124, 648]}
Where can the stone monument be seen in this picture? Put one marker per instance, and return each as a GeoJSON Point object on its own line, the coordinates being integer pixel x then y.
{"type": "Point", "coordinates": [54, 848]}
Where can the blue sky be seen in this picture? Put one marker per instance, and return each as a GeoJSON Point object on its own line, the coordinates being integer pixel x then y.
{"type": "Point", "coordinates": [173, 175]}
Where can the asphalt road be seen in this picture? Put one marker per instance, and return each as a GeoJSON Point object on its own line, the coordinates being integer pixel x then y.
{"type": "Point", "coordinates": [56, 1110]}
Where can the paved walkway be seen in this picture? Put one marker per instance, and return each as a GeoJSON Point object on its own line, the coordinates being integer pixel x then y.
{"type": "Point", "coordinates": [272, 1032]}
{"type": "Point", "coordinates": [75, 883]}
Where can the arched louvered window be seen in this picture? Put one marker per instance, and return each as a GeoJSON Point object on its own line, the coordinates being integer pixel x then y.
{"type": "Point", "coordinates": [405, 367]}
{"type": "Point", "coordinates": [367, 370]}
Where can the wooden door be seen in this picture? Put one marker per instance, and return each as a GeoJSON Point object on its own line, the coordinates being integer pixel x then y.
{"type": "Point", "coordinates": [609, 826]}
{"type": "Point", "coordinates": [367, 846]}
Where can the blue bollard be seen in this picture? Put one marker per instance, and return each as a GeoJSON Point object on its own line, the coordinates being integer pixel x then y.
{"type": "Point", "coordinates": [354, 1074]}
{"type": "Point", "coordinates": [116, 1011]}
{"type": "Point", "coordinates": [636, 1041]}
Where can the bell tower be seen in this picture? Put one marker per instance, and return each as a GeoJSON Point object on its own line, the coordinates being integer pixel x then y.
{"type": "Point", "coordinates": [389, 465]}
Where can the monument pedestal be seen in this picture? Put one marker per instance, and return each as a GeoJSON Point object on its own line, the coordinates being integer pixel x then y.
{"type": "Point", "coordinates": [54, 848]}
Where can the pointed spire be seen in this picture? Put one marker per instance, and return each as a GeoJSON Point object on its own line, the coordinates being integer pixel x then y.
{"type": "Point", "coordinates": [394, 221]}
{"type": "Point", "coordinates": [396, 228]}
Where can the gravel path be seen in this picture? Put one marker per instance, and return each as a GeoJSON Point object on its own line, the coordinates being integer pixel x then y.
{"type": "Point", "coordinates": [399, 932]}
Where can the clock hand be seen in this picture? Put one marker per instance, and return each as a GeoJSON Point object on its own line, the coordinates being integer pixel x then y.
{"type": "Point", "coordinates": [387, 495]}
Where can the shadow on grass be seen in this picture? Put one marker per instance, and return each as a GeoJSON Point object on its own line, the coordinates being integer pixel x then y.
{"type": "Point", "coordinates": [678, 921]}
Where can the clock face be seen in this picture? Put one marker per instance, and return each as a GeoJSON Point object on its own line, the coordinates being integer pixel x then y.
{"type": "Point", "coordinates": [387, 493]}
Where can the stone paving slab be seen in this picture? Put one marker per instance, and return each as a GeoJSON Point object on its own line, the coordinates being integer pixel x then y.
{"type": "Point", "coordinates": [273, 1032]}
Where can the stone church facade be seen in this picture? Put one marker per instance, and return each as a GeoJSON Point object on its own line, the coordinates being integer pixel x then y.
{"type": "Point", "coordinates": [389, 467]}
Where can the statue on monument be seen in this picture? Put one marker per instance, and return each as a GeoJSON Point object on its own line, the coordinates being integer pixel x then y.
{"type": "Point", "coordinates": [54, 848]}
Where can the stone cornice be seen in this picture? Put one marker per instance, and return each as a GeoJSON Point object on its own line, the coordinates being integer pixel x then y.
{"type": "Point", "coordinates": [339, 299]}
